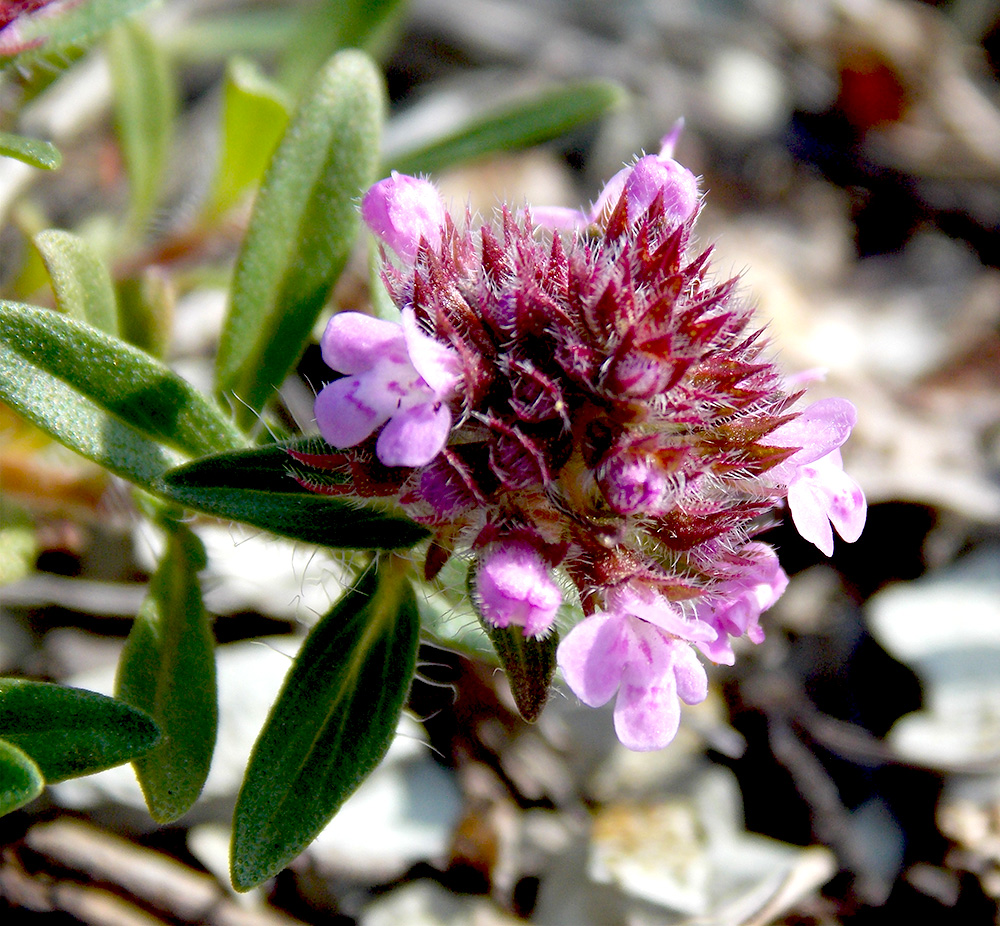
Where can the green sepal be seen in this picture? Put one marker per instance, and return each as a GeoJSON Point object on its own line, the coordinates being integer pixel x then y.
{"type": "Point", "coordinates": [331, 724]}
{"type": "Point", "coordinates": [70, 732]}
{"type": "Point", "coordinates": [167, 669]}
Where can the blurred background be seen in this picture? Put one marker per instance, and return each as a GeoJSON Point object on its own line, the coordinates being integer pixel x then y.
{"type": "Point", "coordinates": [847, 770]}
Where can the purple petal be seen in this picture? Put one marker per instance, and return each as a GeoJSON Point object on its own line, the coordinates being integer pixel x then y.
{"type": "Point", "coordinates": [559, 218]}
{"type": "Point", "coordinates": [719, 650]}
{"type": "Point", "coordinates": [669, 141]}
{"type": "Point", "coordinates": [659, 671]}
{"type": "Point", "coordinates": [401, 211]}
{"type": "Point", "coordinates": [415, 436]}
{"type": "Point", "coordinates": [592, 657]}
{"type": "Point", "coordinates": [347, 414]}
{"type": "Point", "coordinates": [647, 717]}
{"type": "Point", "coordinates": [646, 712]}
{"type": "Point", "coordinates": [437, 364]}
{"type": "Point", "coordinates": [692, 680]}
{"type": "Point", "coordinates": [608, 197]}
{"type": "Point", "coordinates": [646, 603]}
{"type": "Point", "coordinates": [354, 343]}
{"type": "Point", "coordinates": [820, 428]}
{"type": "Point", "coordinates": [654, 176]}
{"type": "Point", "coordinates": [808, 505]}
{"type": "Point", "coordinates": [846, 504]}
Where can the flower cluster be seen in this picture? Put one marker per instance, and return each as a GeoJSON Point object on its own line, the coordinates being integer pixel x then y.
{"type": "Point", "coordinates": [570, 393]}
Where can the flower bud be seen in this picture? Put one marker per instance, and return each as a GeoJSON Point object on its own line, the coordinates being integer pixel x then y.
{"type": "Point", "coordinates": [632, 484]}
{"type": "Point", "coordinates": [514, 586]}
{"type": "Point", "coordinates": [402, 211]}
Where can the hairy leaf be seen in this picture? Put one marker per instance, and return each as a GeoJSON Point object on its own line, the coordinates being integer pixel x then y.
{"type": "Point", "coordinates": [254, 115]}
{"type": "Point", "coordinates": [258, 487]}
{"type": "Point", "coordinates": [145, 105]}
{"type": "Point", "coordinates": [80, 279]}
{"type": "Point", "coordinates": [99, 396]}
{"type": "Point", "coordinates": [331, 725]}
{"type": "Point", "coordinates": [303, 226]}
{"type": "Point", "coordinates": [20, 778]}
{"type": "Point", "coordinates": [70, 732]}
{"type": "Point", "coordinates": [327, 26]}
{"type": "Point", "coordinates": [167, 669]}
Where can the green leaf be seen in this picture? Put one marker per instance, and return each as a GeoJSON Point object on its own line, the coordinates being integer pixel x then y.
{"type": "Point", "coordinates": [327, 26]}
{"type": "Point", "coordinates": [258, 487]}
{"type": "Point", "coordinates": [145, 104]}
{"type": "Point", "coordinates": [32, 151]}
{"type": "Point", "coordinates": [80, 279]}
{"type": "Point", "coordinates": [70, 732]}
{"type": "Point", "coordinates": [530, 122]}
{"type": "Point", "coordinates": [20, 778]}
{"type": "Point", "coordinates": [303, 226]}
{"type": "Point", "coordinates": [99, 396]}
{"type": "Point", "coordinates": [167, 669]}
{"type": "Point", "coordinates": [254, 116]}
{"type": "Point", "coordinates": [146, 310]}
{"type": "Point", "coordinates": [80, 423]}
{"type": "Point", "coordinates": [73, 27]}
{"type": "Point", "coordinates": [331, 725]}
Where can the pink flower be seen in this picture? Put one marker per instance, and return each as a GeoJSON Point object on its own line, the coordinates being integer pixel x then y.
{"type": "Point", "coordinates": [737, 602]}
{"type": "Point", "coordinates": [638, 648]}
{"type": "Point", "coordinates": [402, 211]}
{"type": "Point", "coordinates": [822, 494]}
{"type": "Point", "coordinates": [398, 379]}
{"type": "Point", "coordinates": [651, 176]}
{"type": "Point", "coordinates": [819, 491]}
{"type": "Point", "coordinates": [514, 586]}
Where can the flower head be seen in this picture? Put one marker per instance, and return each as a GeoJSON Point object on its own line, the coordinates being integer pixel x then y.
{"type": "Point", "coordinates": [583, 397]}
